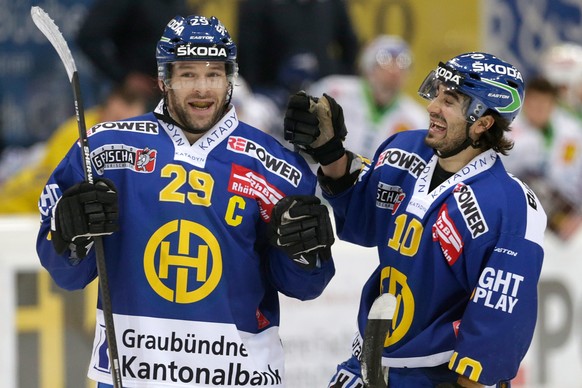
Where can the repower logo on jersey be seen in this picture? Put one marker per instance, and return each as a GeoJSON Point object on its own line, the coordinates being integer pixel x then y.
{"type": "Point", "coordinates": [389, 197]}
{"type": "Point", "coordinates": [402, 160]}
{"type": "Point", "coordinates": [470, 210]}
{"type": "Point", "coordinates": [250, 184]}
{"type": "Point", "coordinates": [198, 51]}
{"type": "Point", "coordinates": [145, 127]}
{"type": "Point", "coordinates": [445, 232]}
{"type": "Point", "coordinates": [498, 289]}
{"type": "Point", "coordinates": [277, 166]}
{"type": "Point", "coordinates": [122, 156]}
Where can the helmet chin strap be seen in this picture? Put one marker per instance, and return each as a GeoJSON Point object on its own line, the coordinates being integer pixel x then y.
{"type": "Point", "coordinates": [468, 142]}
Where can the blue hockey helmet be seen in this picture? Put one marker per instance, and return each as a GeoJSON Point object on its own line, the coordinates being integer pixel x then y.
{"type": "Point", "coordinates": [489, 82]}
{"type": "Point", "coordinates": [196, 38]}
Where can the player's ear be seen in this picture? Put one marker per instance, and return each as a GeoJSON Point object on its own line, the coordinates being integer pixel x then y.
{"type": "Point", "coordinates": [484, 123]}
{"type": "Point", "coordinates": [162, 86]}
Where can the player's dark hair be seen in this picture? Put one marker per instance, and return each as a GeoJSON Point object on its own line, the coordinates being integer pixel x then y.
{"type": "Point", "coordinates": [494, 137]}
{"type": "Point", "coordinates": [542, 85]}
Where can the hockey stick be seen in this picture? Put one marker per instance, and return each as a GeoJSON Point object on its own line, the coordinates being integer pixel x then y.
{"type": "Point", "coordinates": [50, 30]}
{"type": "Point", "coordinates": [379, 322]}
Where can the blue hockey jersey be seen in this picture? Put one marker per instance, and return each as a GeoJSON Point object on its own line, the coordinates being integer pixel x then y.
{"type": "Point", "coordinates": [193, 280]}
{"type": "Point", "coordinates": [463, 259]}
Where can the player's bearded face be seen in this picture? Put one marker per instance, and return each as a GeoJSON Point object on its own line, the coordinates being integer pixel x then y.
{"type": "Point", "coordinates": [448, 128]}
{"type": "Point", "coordinates": [197, 94]}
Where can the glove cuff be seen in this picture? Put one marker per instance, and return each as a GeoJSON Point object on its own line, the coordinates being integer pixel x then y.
{"type": "Point", "coordinates": [79, 248]}
{"type": "Point", "coordinates": [332, 186]}
{"type": "Point", "coordinates": [329, 152]}
{"type": "Point", "coordinates": [59, 243]}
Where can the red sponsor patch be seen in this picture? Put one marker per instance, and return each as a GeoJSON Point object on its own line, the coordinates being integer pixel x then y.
{"type": "Point", "coordinates": [237, 144]}
{"type": "Point", "coordinates": [250, 184]}
{"type": "Point", "coordinates": [145, 160]}
{"type": "Point", "coordinates": [262, 321]}
{"type": "Point", "coordinates": [446, 233]}
{"type": "Point", "coordinates": [456, 326]}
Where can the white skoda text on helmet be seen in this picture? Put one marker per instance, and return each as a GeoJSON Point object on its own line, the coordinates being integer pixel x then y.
{"type": "Point", "coordinates": [497, 68]}
{"type": "Point", "coordinates": [201, 51]}
{"type": "Point", "coordinates": [176, 26]}
{"type": "Point", "coordinates": [447, 75]}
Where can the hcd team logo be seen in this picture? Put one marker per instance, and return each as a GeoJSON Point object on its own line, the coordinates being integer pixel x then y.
{"type": "Point", "coordinates": [183, 261]}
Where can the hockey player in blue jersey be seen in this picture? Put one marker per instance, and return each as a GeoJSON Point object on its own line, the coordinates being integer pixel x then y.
{"type": "Point", "coordinates": [205, 220]}
{"type": "Point", "coordinates": [460, 241]}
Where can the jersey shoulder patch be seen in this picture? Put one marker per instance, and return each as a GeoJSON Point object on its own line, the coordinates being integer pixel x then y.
{"type": "Point", "coordinates": [536, 218]}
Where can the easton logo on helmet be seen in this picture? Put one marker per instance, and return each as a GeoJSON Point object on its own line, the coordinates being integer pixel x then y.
{"type": "Point", "coordinates": [200, 51]}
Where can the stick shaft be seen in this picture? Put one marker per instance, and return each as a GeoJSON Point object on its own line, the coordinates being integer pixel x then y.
{"type": "Point", "coordinates": [51, 31]}
{"type": "Point", "coordinates": [98, 240]}
{"type": "Point", "coordinates": [377, 328]}
{"type": "Point", "coordinates": [80, 114]}
{"type": "Point", "coordinates": [107, 313]}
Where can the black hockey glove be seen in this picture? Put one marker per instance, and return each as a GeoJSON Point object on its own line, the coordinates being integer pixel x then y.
{"type": "Point", "coordinates": [85, 210]}
{"type": "Point", "coordinates": [315, 126]}
{"type": "Point", "coordinates": [301, 227]}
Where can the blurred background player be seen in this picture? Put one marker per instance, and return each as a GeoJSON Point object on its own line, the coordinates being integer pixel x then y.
{"type": "Point", "coordinates": [562, 65]}
{"type": "Point", "coordinates": [285, 45]}
{"type": "Point", "coordinates": [547, 155]}
{"type": "Point", "coordinates": [256, 109]}
{"type": "Point", "coordinates": [374, 103]}
{"type": "Point", "coordinates": [20, 190]}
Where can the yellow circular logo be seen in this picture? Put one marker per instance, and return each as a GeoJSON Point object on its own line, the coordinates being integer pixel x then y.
{"type": "Point", "coordinates": [395, 282]}
{"type": "Point", "coordinates": [168, 268]}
